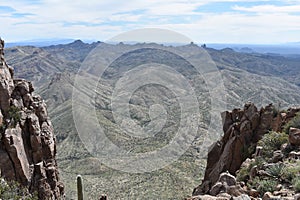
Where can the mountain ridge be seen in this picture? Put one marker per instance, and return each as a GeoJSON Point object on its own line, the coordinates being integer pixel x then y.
{"type": "Point", "coordinates": [242, 83]}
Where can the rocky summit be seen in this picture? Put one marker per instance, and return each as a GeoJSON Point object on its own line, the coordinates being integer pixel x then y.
{"type": "Point", "coordinates": [27, 141]}
{"type": "Point", "coordinates": [257, 157]}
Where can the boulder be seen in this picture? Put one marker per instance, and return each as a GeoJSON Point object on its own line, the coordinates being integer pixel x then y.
{"type": "Point", "coordinates": [227, 179]}
{"type": "Point", "coordinates": [294, 155]}
{"type": "Point", "coordinates": [277, 156]}
{"type": "Point", "coordinates": [297, 196]}
{"type": "Point", "coordinates": [294, 136]}
{"type": "Point", "coordinates": [242, 197]}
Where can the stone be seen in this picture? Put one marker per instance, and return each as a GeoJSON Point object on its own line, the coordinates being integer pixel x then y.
{"type": "Point", "coordinates": [242, 128]}
{"type": "Point", "coordinates": [28, 148]}
{"type": "Point", "coordinates": [227, 178]}
{"type": "Point", "coordinates": [1, 118]}
{"type": "Point", "coordinates": [277, 156]}
{"type": "Point", "coordinates": [270, 196]}
{"type": "Point", "coordinates": [242, 197]}
{"type": "Point", "coordinates": [235, 190]}
{"type": "Point", "coordinates": [208, 197]}
{"type": "Point", "coordinates": [297, 196]}
{"type": "Point", "coordinates": [258, 151]}
{"type": "Point", "coordinates": [294, 136]}
{"type": "Point", "coordinates": [103, 197]}
{"type": "Point", "coordinates": [254, 193]}
{"type": "Point", "coordinates": [217, 189]}
{"type": "Point", "coordinates": [15, 147]}
{"type": "Point", "coordinates": [294, 155]}
{"type": "Point", "coordinates": [278, 187]}
{"type": "Point", "coordinates": [267, 196]}
{"type": "Point", "coordinates": [253, 172]}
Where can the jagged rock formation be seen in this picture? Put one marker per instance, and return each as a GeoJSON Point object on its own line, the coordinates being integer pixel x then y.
{"type": "Point", "coordinates": [28, 145]}
{"type": "Point", "coordinates": [243, 128]}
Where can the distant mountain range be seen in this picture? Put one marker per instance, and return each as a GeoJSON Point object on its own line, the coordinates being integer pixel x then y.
{"type": "Point", "coordinates": [247, 76]}
{"type": "Point", "coordinates": [291, 48]}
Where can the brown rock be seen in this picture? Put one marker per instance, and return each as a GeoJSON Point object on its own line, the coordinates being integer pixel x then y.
{"type": "Point", "coordinates": [6, 81]}
{"type": "Point", "coordinates": [235, 190]}
{"type": "Point", "coordinates": [103, 197]}
{"type": "Point", "coordinates": [267, 196]}
{"type": "Point", "coordinates": [224, 195]}
{"type": "Point", "coordinates": [294, 136]}
{"type": "Point", "coordinates": [242, 128]}
{"type": "Point", "coordinates": [254, 193]}
{"type": "Point", "coordinates": [14, 145]}
{"type": "Point", "coordinates": [242, 197]}
{"type": "Point", "coordinates": [27, 150]}
{"type": "Point", "coordinates": [227, 178]}
{"type": "Point", "coordinates": [294, 155]}
{"type": "Point", "coordinates": [258, 151]}
{"type": "Point", "coordinates": [217, 189]}
{"type": "Point", "coordinates": [1, 118]}
{"type": "Point", "coordinates": [208, 197]}
{"type": "Point", "coordinates": [253, 172]}
{"type": "Point", "coordinates": [277, 156]}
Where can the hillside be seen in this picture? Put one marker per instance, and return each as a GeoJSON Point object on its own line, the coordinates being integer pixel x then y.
{"type": "Point", "coordinates": [258, 78]}
{"type": "Point", "coordinates": [257, 157]}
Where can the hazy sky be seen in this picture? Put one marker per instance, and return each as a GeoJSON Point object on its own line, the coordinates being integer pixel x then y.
{"type": "Point", "coordinates": [209, 21]}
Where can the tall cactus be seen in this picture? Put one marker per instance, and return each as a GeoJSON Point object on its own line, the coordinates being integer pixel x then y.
{"type": "Point", "coordinates": [79, 188]}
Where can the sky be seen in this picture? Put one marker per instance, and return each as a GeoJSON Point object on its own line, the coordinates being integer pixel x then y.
{"type": "Point", "coordinates": [203, 21]}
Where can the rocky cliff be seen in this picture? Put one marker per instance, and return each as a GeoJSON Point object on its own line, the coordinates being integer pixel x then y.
{"type": "Point", "coordinates": [256, 149]}
{"type": "Point", "coordinates": [27, 141]}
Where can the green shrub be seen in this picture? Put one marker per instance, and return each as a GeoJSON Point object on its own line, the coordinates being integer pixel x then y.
{"type": "Point", "coordinates": [271, 142]}
{"type": "Point", "coordinates": [243, 174]}
{"type": "Point", "coordinates": [263, 185]}
{"type": "Point", "coordinates": [295, 122]}
{"type": "Point", "coordinates": [291, 172]}
{"type": "Point", "coordinates": [296, 184]}
{"type": "Point", "coordinates": [14, 115]}
{"type": "Point", "coordinates": [267, 185]}
{"type": "Point", "coordinates": [14, 191]}
{"type": "Point", "coordinates": [276, 170]}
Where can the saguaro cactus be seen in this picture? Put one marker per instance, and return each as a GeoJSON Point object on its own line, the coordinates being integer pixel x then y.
{"type": "Point", "coordinates": [79, 188]}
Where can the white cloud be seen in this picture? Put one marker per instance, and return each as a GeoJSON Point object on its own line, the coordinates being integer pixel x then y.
{"type": "Point", "coordinates": [99, 19]}
{"type": "Point", "coordinates": [269, 8]}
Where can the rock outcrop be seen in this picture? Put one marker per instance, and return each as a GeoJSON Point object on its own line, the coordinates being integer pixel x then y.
{"type": "Point", "coordinates": [243, 128]}
{"type": "Point", "coordinates": [28, 145]}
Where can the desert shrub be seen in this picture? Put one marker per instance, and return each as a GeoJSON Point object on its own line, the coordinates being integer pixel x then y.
{"type": "Point", "coordinates": [296, 184]}
{"type": "Point", "coordinates": [243, 174]}
{"type": "Point", "coordinates": [267, 185]}
{"type": "Point", "coordinates": [14, 191]}
{"type": "Point", "coordinates": [276, 170]}
{"type": "Point", "coordinates": [271, 142]}
{"type": "Point", "coordinates": [14, 115]}
{"type": "Point", "coordinates": [295, 122]}
{"type": "Point", "coordinates": [263, 185]}
{"type": "Point", "coordinates": [291, 172]}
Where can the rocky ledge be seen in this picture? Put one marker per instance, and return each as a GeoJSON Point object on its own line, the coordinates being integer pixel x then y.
{"type": "Point", "coordinates": [257, 158]}
{"type": "Point", "coordinates": [27, 141]}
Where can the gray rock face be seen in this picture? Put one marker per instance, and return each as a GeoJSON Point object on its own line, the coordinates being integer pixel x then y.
{"type": "Point", "coordinates": [28, 146]}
